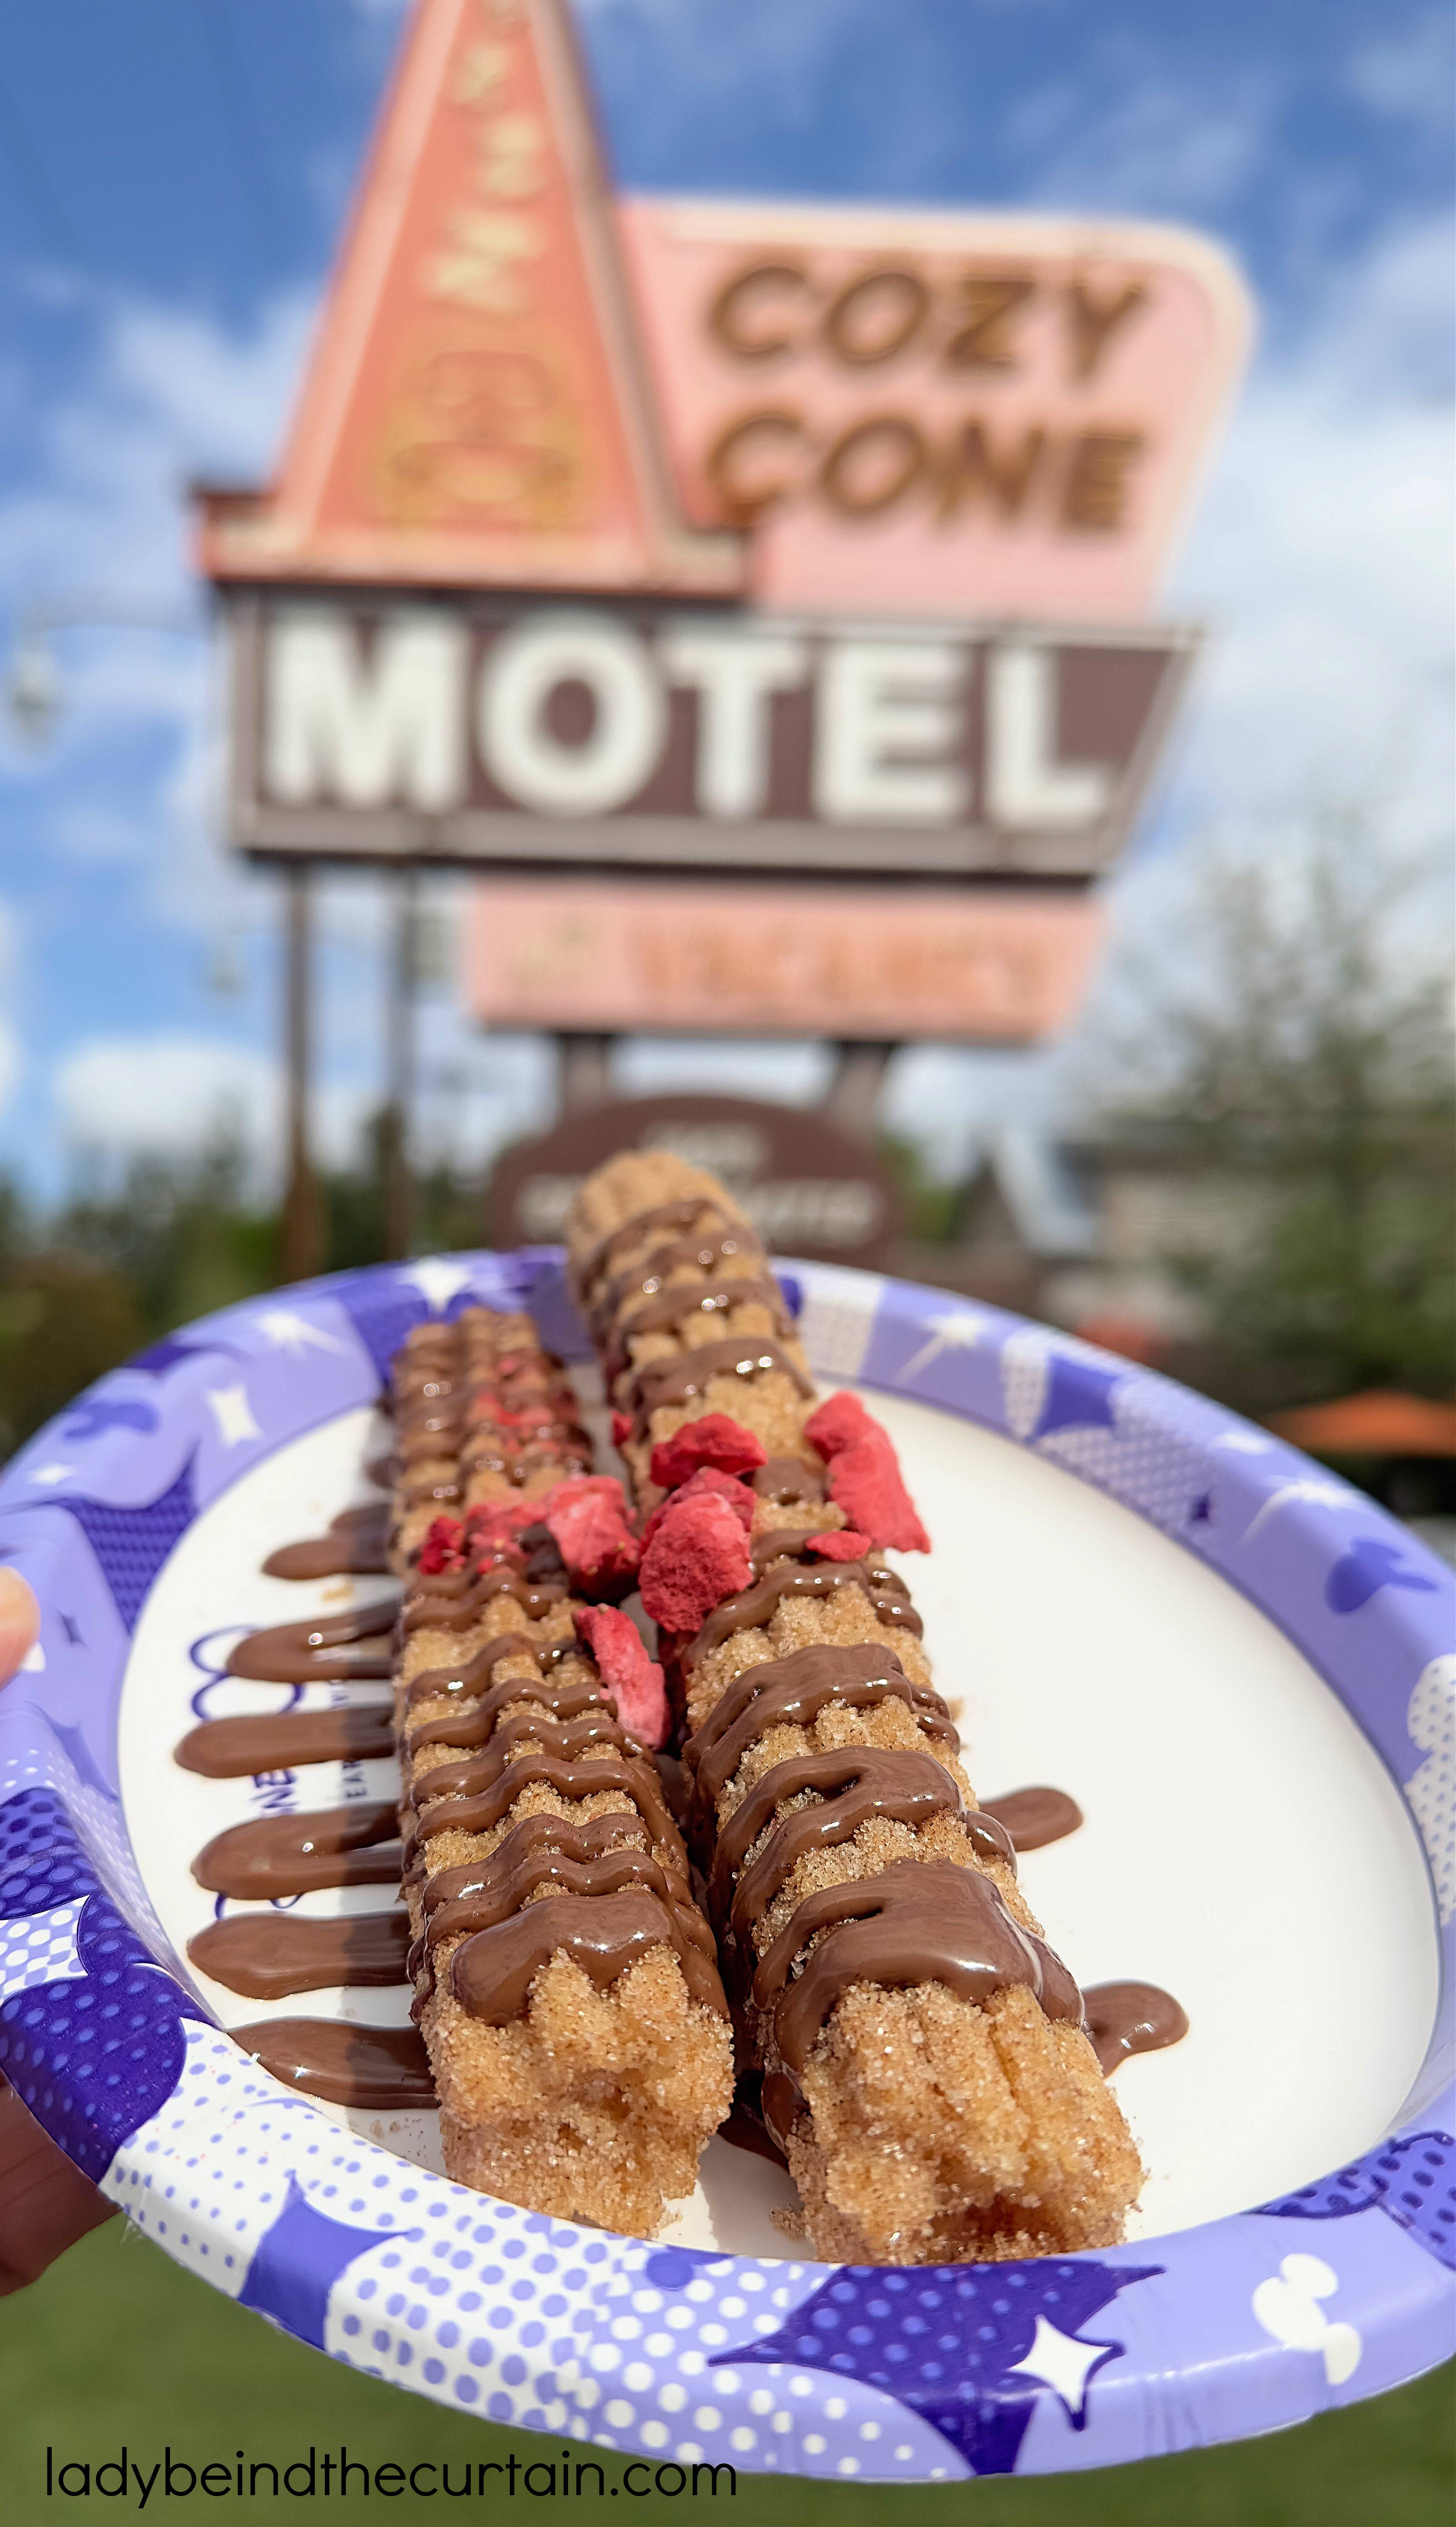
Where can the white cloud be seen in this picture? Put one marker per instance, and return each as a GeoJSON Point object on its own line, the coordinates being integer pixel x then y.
{"type": "Point", "coordinates": [1321, 557]}
{"type": "Point", "coordinates": [1149, 145]}
{"type": "Point", "coordinates": [1407, 73]}
{"type": "Point", "coordinates": [164, 1094]}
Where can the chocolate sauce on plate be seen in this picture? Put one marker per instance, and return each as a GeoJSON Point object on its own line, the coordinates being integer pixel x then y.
{"type": "Point", "coordinates": [1036, 1817]}
{"type": "Point", "coordinates": [1127, 2018]}
{"type": "Point", "coordinates": [224, 1749]}
{"type": "Point", "coordinates": [356, 1543]}
{"type": "Point", "coordinates": [349, 2065]}
{"type": "Point", "coordinates": [320, 1650]}
{"type": "Point", "coordinates": [268, 1955]}
{"type": "Point", "coordinates": [295, 1855]}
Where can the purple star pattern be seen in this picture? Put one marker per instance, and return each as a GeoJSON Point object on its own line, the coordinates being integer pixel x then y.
{"type": "Point", "coordinates": [949, 2342]}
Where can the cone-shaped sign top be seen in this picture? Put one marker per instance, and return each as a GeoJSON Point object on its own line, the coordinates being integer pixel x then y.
{"type": "Point", "coordinates": [475, 410]}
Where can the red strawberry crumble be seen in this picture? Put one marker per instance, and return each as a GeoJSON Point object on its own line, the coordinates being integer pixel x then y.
{"type": "Point", "coordinates": [698, 1556]}
{"type": "Point", "coordinates": [633, 1679]}
{"type": "Point", "coordinates": [588, 1519]}
{"type": "Point", "coordinates": [712, 1440]}
{"type": "Point", "coordinates": [866, 1481]}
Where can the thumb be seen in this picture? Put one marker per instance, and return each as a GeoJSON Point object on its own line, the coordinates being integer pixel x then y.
{"type": "Point", "coordinates": [19, 1621]}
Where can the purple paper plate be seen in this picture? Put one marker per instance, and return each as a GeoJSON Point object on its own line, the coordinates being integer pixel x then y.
{"type": "Point", "coordinates": [1339, 2290]}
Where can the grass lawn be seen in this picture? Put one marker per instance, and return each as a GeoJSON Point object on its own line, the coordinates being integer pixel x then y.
{"type": "Point", "coordinates": [115, 2345]}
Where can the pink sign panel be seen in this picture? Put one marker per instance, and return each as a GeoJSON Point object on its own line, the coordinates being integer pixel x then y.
{"type": "Point", "coordinates": [961, 413]}
{"type": "Point", "coordinates": [999, 966]}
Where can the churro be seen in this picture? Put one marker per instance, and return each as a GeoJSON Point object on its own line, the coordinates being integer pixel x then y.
{"type": "Point", "coordinates": [566, 1983]}
{"type": "Point", "coordinates": [919, 2050]}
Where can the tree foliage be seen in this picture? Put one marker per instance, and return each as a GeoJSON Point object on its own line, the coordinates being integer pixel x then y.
{"type": "Point", "coordinates": [124, 1260]}
{"type": "Point", "coordinates": [1305, 1054]}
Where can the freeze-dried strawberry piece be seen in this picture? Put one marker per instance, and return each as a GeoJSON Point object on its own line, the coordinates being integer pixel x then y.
{"type": "Point", "coordinates": [836, 1424]}
{"type": "Point", "coordinates": [708, 1480]}
{"type": "Point", "coordinates": [698, 1556]}
{"type": "Point", "coordinates": [866, 1481]}
{"type": "Point", "coordinates": [841, 1544]}
{"type": "Point", "coordinates": [589, 1522]}
{"type": "Point", "coordinates": [443, 1548]}
{"type": "Point", "coordinates": [714, 1440]}
{"type": "Point", "coordinates": [622, 1423]}
{"type": "Point", "coordinates": [629, 1674]}
{"type": "Point", "coordinates": [493, 1526]}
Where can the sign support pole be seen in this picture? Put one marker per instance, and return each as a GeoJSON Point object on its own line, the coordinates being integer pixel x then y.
{"type": "Point", "coordinates": [303, 1222]}
{"type": "Point", "coordinates": [852, 1095]}
{"type": "Point", "coordinates": [400, 1084]}
{"type": "Point", "coordinates": [585, 1072]}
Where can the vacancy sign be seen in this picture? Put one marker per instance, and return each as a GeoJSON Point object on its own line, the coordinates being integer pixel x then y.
{"type": "Point", "coordinates": [1002, 965]}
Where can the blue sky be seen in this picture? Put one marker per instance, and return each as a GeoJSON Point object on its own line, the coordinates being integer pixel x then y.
{"type": "Point", "coordinates": [173, 174]}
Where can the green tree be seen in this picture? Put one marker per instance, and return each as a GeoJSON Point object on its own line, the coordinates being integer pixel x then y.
{"type": "Point", "coordinates": [1304, 1054]}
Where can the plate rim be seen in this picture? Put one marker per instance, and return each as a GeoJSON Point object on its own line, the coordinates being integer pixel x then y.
{"type": "Point", "coordinates": [1197, 2362]}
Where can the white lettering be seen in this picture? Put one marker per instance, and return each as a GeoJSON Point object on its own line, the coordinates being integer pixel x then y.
{"type": "Point", "coordinates": [365, 729]}
{"type": "Point", "coordinates": [889, 713]}
{"type": "Point", "coordinates": [1024, 783]}
{"type": "Point", "coordinates": [522, 753]}
{"type": "Point", "coordinates": [734, 674]}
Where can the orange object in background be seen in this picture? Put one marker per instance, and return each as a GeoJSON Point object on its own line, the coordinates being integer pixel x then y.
{"type": "Point", "coordinates": [1380, 1422]}
{"type": "Point", "coordinates": [1131, 1337]}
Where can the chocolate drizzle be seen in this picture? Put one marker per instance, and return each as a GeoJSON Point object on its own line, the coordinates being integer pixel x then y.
{"type": "Point", "coordinates": [644, 1280]}
{"type": "Point", "coordinates": [294, 1855]}
{"type": "Point", "coordinates": [887, 1593]}
{"type": "Point", "coordinates": [491, 1974]}
{"type": "Point", "coordinates": [853, 1783]}
{"type": "Point", "coordinates": [268, 1955]}
{"type": "Point", "coordinates": [1037, 1817]}
{"type": "Point", "coordinates": [475, 1772]}
{"type": "Point", "coordinates": [476, 1726]}
{"type": "Point", "coordinates": [674, 1306]}
{"type": "Point", "coordinates": [1127, 2018]}
{"type": "Point", "coordinates": [224, 1749]}
{"type": "Point", "coordinates": [786, 1479]}
{"type": "Point", "coordinates": [454, 1601]}
{"type": "Point", "coordinates": [434, 1683]}
{"type": "Point", "coordinates": [496, 1786]}
{"type": "Point", "coordinates": [351, 2066]}
{"type": "Point", "coordinates": [478, 1899]}
{"type": "Point", "coordinates": [356, 1542]}
{"type": "Point", "coordinates": [662, 1214]}
{"type": "Point", "coordinates": [921, 1920]}
{"type": "Point", "coordinates": [794, 1691]}
{"type": "Point", "coordinates": [317, 1651]}
{"type": "Point", "coordinates": [656, 1382]}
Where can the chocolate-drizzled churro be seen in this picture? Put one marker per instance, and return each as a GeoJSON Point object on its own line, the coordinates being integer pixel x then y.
{"type": "Point", "coordinates": [566, 1981]}
{"type": "Point", "coordinates": [920, 2050]}
{"type": "Point", "coordinates": [499, 1421]}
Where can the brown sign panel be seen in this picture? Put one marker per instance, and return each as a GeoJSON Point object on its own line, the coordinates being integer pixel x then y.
{"type": "Point", "coordinates": [811, 1188]}
{"type": "Point", "coordinates": [497, 730]}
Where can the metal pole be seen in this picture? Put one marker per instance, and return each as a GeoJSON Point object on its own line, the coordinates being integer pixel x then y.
{"type": "Point", "coordinates": [585, 1071]}
{"type": "Point", "coordinates": [852, 1097]}
{"type": "Point", "coordinates": [303, 1219]}
{"type": "Point", "coordinates": [400, 1082]}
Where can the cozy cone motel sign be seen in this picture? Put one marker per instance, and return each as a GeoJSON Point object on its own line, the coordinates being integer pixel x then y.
{"type": "Point", "coordinates": [627, 550]}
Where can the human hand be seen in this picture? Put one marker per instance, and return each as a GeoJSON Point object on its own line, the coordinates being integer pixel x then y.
{"type": "Point", "coordinates": [46, 2201]}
